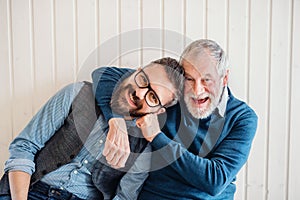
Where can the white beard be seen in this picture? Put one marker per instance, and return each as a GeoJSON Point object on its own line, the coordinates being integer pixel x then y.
{"type": "Point", "coordinates": [201, 113]}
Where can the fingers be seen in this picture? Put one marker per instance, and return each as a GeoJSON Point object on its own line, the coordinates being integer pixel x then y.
{"type": "Point", "coordinates": [116, 149]}
{"type": "Point", "coordinates": [115, 156]}
{"type": "Point", "coordinates": [149, 126]}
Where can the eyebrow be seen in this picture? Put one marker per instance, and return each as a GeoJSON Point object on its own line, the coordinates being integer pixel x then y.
{"type": "Point", "coordinates": [205, 75]}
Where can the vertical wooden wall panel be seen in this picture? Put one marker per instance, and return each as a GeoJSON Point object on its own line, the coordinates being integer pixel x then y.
{"type": "Point", "coordinates": [46, 43]}
{"type": "Point", "coordinates": [85, 38]}
{"type": "Point", "coordinates": [22, 66]}
{"type": "Point", "coordinates": [151, 25]}
{"type": "Point", "coordinates": [195, 20]}
{"type": "Point", "coordinates": [217, 17]}
{"type": "Point", "coordinates": [6, 131]}
{"type": "Point", "coordinates": [258, 96]}
{"type": "Point", "coordinates": [237, 46]}
{"type": "Point", "coordinates": [294, 143]}
{"type": "Point", "coordinates": [65, 42]}
{"type": "Point", "coordinates": [130, 14]}
{"type": "Point", "coordinates": [279, 99]}
{"type": "Point", "coordinates": [42, 53]}
{"type": "Point", "coordinates": [174, 15]}
{"type": "Point", "coordinates": [109, 27]}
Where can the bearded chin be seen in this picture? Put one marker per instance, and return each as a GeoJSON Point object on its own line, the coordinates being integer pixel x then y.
{"type": "Point", "coordinates": [136, 114]}
{"type": "Point", "coordinates": [119, 104]}
{"type": "Point", "coordinates": [199, 113]}
{"type": "Point", "coordinates": [118, 101]}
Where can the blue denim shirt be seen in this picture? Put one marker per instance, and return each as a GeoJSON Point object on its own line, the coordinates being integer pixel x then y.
{"type": "Point", "coordinates": [74, 177]}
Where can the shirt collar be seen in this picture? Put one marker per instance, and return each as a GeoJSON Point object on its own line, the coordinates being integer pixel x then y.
{"type": "Point", "coordinates": [223, 103]}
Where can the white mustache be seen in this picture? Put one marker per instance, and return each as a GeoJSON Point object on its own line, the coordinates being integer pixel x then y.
{"type": "Point", "coordinates": [202, 96]}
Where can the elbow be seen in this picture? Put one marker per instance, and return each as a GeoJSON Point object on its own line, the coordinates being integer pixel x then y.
{"type": "Point", "coordinates": [219, 181]}
{"type": "Point", "coordinates": [216, 190]}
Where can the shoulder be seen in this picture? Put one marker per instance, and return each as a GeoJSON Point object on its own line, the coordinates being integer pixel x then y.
{"type": "Point", "coordinates": [240, 116]}
{"type": "Point", "coordinates": [110, 70]}
{"type": "Point", "coordinates": [72, 89]}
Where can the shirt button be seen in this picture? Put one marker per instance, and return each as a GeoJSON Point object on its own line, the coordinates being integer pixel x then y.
{"type": "Point", "coordinates": [86, 161]}
{"type": "Point", "coordinates": [75, 172]}
{"type": "Point", "coordinates": [100, 141]}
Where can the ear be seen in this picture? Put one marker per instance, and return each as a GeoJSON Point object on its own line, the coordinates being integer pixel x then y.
{"type": "Point", "coordinates": [161, 110]}
{"type": "Point", "coordinates": [225, 79]}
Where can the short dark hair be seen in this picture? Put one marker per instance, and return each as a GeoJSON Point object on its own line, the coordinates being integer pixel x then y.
{"type": "Point", "coordinates": [175, 74]}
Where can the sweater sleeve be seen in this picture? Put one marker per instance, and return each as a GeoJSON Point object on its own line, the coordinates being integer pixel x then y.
{"type": "Point", "coordinates": [105, 79]}
{"type": "Point", "coordinates": [214, 172]}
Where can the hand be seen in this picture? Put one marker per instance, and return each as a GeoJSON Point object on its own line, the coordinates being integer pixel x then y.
{"type": "Point", "coordinates": [116, 149]}
{"type": "Point", "coordinates": [149, 126]}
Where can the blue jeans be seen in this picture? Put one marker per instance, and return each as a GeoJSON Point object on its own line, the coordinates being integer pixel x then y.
{"type": "Point", "coordinates": [42, 191]}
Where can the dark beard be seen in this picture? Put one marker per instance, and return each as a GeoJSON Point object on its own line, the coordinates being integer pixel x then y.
{"type": "Point", "coordinates": [118, 102]}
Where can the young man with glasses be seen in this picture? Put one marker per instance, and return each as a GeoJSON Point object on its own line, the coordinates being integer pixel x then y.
{"type": "Point", "coordinates": [59, 153]}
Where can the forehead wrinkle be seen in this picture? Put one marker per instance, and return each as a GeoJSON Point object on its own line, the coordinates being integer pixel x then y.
{"type": "Point", "coordinates": [195, 71]}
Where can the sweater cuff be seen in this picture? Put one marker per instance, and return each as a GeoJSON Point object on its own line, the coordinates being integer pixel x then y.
{"type": "Point", "coordinates": [108, 114]}
{"type": "Point", "coordinates": [160, 141]}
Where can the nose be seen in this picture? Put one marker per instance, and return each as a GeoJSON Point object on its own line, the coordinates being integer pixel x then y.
{"type": "Point", "coordinates": [141, 92]}
{"type": "Point", "coordinates": [198, 87]}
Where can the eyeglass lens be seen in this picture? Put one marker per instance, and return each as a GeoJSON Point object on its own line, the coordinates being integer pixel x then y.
{"type": "Point", "coordinates": [142, 81]}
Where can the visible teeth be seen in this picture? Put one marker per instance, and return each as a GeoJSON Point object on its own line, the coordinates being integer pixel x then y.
{"type": "Point", "coordinates": [131, 97]}
{"type": "Point", "coordinates": [200, 100]}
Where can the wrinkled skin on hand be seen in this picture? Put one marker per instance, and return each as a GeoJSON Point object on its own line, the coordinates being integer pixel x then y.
{"type": "Point", "coordinates": [117, 149]}
{"type": "Point", "coordinates": [149, 126]}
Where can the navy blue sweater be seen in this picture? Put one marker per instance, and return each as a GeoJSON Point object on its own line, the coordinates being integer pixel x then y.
{"type": "Point", "coordinates": [192, 158]}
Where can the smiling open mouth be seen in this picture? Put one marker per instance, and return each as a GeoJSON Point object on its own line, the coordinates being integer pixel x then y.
{"type": "Point", "coordinates": [133, 99]}
{"type": "Point", "coordinates": [200, 101]}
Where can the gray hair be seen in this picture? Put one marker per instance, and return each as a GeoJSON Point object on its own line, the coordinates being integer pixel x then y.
{"type": "Point", "coordinates": [204, 47]}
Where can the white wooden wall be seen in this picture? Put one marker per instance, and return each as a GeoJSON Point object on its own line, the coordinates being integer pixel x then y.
{"type": "Point", "coordinates": [45, 43]}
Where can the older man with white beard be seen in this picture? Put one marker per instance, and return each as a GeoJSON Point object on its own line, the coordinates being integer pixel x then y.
{"type": "Point", "coordinates": [206, 138]}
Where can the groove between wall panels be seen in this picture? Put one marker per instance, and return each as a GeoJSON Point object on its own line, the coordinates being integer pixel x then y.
{"type": "Point", "coordinates": [184, 24]}
{"type": "Point", "coordinates": [119, 59]}
{"type": "Point", "coordinates": [163, 27]}
{"type": "Point", "coordinates": [205, 18]}
{"type": "Point", "coordinates": [11, 64]}
{"type": "Point", "coordinates": [140, 21]}
{"type": "Point", "coordinates": [53, 38]}
{"type": "Point", "coordinates": [227, 10]}
{"type": "Point", "coordinates": [140, 9]}
{"type": "Point", "coordinates": [142, 33]}
{"type": "Point", "coordinates": [32, 55]}
{"type": "Point", "coordinates": [97, 30]}
{"type": "Point", "coordinates": [97, 27]}
{"type": "Point", "coordinates": [248, 38]}
{"type": "Point", "coordinates": [268, 111]}
{"type": "Point", "coordinates": [290, 98]}
{"type": "Point", "coordinates": [75, 38]}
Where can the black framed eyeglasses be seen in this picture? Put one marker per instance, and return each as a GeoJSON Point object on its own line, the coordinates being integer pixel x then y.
{"type": "Point", "coordinates": [142, 81]}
